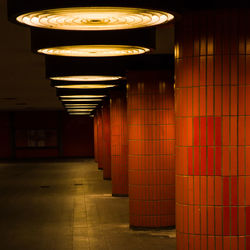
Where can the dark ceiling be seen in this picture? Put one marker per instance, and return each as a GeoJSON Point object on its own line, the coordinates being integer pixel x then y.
{"type": "Point", "coordinates": [23, 84]}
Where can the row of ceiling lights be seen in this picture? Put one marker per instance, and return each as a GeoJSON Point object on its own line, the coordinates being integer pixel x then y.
{"type": "Point", "coordinates": [91, 19]}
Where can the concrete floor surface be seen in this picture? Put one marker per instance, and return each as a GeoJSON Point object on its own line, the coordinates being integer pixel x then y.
{"type": "Point", "coordinates": [67, 206]}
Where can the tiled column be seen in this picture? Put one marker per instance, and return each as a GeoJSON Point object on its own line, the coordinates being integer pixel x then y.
{"type": "Point", "coordinates": [119, 143]}
{"type": "Point", "coordinates": [95, 138]}
{"type": "Point", "coordinates": [213, 131]}
{"type": "Point", "coordinates": [99, 138]}
{"type": "Point", "coordinates": [151, 149]}
{"type": "Point", "coordinates": [106, 140]}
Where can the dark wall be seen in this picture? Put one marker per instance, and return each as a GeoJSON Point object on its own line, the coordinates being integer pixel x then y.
{"type": "Point", "coordinates": [45, 134]}
{"type": "Point", "coordinates": [77, 136]}
{"type": "Point", "coordinates": [5, 135]}
{"type": "Point", "coordinates": [24, 121]}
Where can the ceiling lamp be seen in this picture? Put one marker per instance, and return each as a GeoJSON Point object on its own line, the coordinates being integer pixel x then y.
{"type": "Point", "coordinates": [94, 50]}
{"type": "Point", "coordinates": [80, 113]}
{"type": "Point", "coordinates": [87, 78]}
{"type": "Point", "coordinates": [95, 18]}
{"type": "Point", "coordinates": [80, 105]}
{"type": "Point", "coordinates": [80, 100]}
{"type": "Point", "coordinates": [79, 110]}
{"type": "Point", "coordinates": [84, 86]}
{"type": "Point", "coordinates": [82, 96]}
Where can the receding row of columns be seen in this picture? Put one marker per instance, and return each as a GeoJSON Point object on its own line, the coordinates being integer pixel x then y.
{"type": "Point", "coordinates": [135, 141]}
{"type": "Point", "coordinates": [193, 139]}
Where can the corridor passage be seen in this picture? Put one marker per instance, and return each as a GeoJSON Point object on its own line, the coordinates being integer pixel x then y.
{"type": "Point", "coordinates": [64, 205]}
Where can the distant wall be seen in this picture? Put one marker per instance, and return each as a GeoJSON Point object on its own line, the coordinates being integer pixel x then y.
{"type": "Point", "coordinates": [77, 136]}
{"type": "Point", "coordinates": [45, 134]}
{"type": "Point", "coordinates": [5, 136]}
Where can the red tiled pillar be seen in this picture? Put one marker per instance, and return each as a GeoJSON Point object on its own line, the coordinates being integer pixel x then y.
{"type": "Point", "coordinates": [151, 149]}
{"type": "Point", "coordinates": [213, 131]}
{"type": "Point", "coordinates": [119, 143]}
{"type": "Point", "coordinates": [106, 140]}
{"type": "Point", "coordinates": [95, 138]}
{"type": "Point", "coordinates": [99, 138]}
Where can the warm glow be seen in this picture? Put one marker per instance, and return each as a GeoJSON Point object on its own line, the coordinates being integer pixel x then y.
{"type": "Point", "coordinates": [79, 110]}
{"type": "Point", "coordinates": [177, 50]}
{"type": "Point", "coordinates": [82, 96]}
{"type": "Point", "coordinates": [86, 78]}
{"type": "Point", "coordinates": [80, 113]}
{"type": "Point", "coordinates": [94, 50]}
{"type": "Point", "coordinates": [80, 100]}
{"type": "Point", "coordinates": [80, 105]}
{"type": "Point", "coordinates": [85, 86]}
{"type": "Point", "coordinates": [95, 18]}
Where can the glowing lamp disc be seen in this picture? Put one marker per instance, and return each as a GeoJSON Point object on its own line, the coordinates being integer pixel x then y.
{"type": "Point", "coordinates": [86, 78]}
{"type": "Point", "coordinates": [94, 50]}
{"type": "Point", "coordinates": [95, 18]}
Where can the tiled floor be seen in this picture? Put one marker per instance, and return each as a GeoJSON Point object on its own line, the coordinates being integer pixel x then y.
{"type": "Point", "coordinates": [67, 205]}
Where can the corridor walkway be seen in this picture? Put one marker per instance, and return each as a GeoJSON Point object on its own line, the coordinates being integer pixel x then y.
{"type": "Point", "coordinates": [65, 206]}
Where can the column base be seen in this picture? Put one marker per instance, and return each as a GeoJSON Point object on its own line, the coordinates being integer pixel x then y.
{"type": "Point", "coordinates": [120, 195]}
{"type": "Point", "coordinates": [107, 179]}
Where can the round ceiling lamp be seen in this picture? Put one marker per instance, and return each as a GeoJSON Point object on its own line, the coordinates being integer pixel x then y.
{"type": "Point", "coordinates": [80, 105]}
{"type": "Point", "coordinates": [94, 50]}
{"type": "Point", "coordinates": [87, 78]}
{"type": "Point", "coordinates": [95, 18]}
{"type": "Point", "coordinates": [77, 110]}
{"type": "Point", "coordinates": [82, 96]}
{"type": "Point", "coordinates": [80, 100]}
{"type": "Point", "coordinates": [79, 113]}
{"type": "Point", "coordinates": [84, 86]}
{"type": "Point", "coordinates": [84, 82]}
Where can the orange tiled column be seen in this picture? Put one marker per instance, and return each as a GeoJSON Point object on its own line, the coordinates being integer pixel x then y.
{"type": "Point", "coordinates": [99, 138]}
{"type": "Point", "coordinates": [95, 139]}
{"type": "Point", "coordinates": [106, 140]}
{"type": "Point", "coordinates": [213, 131]}
{"type": "Point", "coordinates": [151, 149]}
{"type": "Point", "coordinates": [119, 143]}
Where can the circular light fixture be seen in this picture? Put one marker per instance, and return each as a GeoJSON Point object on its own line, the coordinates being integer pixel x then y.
{"type": "Point", "coordinates": [95, 18]}
{"type": "Point", "coordinates": [80, 105]}
{"type": "Point", "coordinates": [80, 113]}
{"type": "Point", "coordinates": [84, 86]}
{"type": "Point", "coordinates": [80, 100]}
{"type": "Point", "coordinates": [83, 96]}
{"type": "Point", "coordinates": [94, 50]}
{"type": "Point", "coordinates": [89, 78]}
{"type": "Point", "coordinates": [79, 110]}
